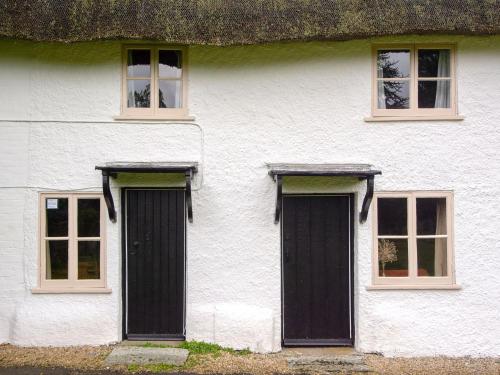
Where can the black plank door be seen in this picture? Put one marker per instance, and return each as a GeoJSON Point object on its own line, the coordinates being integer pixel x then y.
{"type": "Point", "coordinates": [317, 276]}
{"type": "Point", "coordinates": [155, 259]}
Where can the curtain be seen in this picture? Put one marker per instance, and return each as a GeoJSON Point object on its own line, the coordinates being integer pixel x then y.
{"type": "Point", "coordinates": [443, 86]}
{"type": "Point", "coordinates": [440, 262]}
{"type": "Point", "coordinates": [381, 95]}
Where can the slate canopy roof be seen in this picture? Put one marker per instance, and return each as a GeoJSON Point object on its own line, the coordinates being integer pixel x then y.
{"type": "Point", "coordinates": [233, 22]}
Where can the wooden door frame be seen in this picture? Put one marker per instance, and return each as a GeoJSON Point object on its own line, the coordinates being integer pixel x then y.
{"type": "Point", "coordinates": [123, 200]}
{"type": "Point", "coordinates": [340, 342]}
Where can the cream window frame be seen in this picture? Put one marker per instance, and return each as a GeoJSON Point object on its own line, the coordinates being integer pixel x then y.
{"type": "Point", "coordinates": [414, 111]}
{"type": "Point", "coordinates": [412, 280]}
{"type": "Point", "coordinates": [72, 284]}
{"type": "Point", "coordinates": [154, 112]}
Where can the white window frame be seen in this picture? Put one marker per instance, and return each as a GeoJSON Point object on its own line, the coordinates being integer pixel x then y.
{"type": "Point", "coordinates": [154, 112]}
{"type": "Point", "coordinates": [414, 112]}
{"type": "Point", "coordinates": [413, 281]}
{"type": "Point", "coordinates": [72, 284]}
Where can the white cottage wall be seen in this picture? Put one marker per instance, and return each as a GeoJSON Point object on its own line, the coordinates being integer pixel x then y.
{"type": "Point", "coordinates": [293, 102]}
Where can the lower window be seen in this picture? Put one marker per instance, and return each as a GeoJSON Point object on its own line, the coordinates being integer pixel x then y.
{"type": "Point", "coordinates": [413, 243]}
{"type": "Point", "coordinates": [72, 246]}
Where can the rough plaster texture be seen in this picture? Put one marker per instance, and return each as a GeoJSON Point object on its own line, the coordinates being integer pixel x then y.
{"type": "Point", "coordinates": [301, 102]}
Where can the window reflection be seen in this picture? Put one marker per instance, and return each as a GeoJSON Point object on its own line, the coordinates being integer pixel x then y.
{"type": "Point", "coordinates": [139, 93]}
{"type": "Point", "coordinates": [139, 63]}
{"type": "Point", "coordinates": [393, 64]}
{"type": "Point", "coordinates": [169, 63]}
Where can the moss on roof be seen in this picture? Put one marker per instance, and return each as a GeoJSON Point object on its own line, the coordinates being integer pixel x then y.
{"type": "Point", "coordinates": [227, 22]}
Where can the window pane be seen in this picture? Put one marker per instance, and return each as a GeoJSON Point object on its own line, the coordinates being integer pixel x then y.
{"type": "Point", "coordinates": [393, 258]}
{"type": "Point", "coordinates": [393, 94]}
{"type": "Point", "coordinates": [138, 93]}
{"type": "Point", "coordinates": [170, 94]}
{"type": "Point", "coordinates": [170, 64]}
{"type": "Point", "coordinates": [89, 260]}
{"type": "Point", "coordinates": [56, 217]}
{"type": "Point", "coordinates": [431, 216]}
{"type": "Point", "coordinates": [139, 63]}
{"type": "Point", "coordinates": [393, 64]}
{"type": "Point", "coordinates": [392, 217]}
{"type": "Point", "coordinates": [434, 94]}
{"type": "Point", "coordinates": [89, 217]}
{"type": "Point", "coordinates": [56, 260]}
{"type": "Point", "coordinates": [434, 63]}
{"type": "Point", "coordinates": [431, 257]}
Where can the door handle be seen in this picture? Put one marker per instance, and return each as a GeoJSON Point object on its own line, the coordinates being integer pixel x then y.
{"type": "Point", "coordinates": [135, 244]}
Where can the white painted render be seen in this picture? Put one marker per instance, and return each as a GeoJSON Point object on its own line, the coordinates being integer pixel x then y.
{"type": "Point", "coordinates": [294, 102]}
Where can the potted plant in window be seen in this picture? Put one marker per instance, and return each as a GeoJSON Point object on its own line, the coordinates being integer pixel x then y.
{"type": "Point", "coordinates": [387, 253]}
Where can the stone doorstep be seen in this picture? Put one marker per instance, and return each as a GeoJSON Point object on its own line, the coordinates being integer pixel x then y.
{"type": "Point", "coordinates": [326, 360]}
{"type": "Point", "coordinates": [127, 355]}
{"type": "Point", "coordinates": [353, 363]}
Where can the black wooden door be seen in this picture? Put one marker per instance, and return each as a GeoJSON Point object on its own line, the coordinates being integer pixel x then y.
{"type": "Point", "coordinates": [155, 259]}
{"type": "Point", "coordinates": [317, 276]}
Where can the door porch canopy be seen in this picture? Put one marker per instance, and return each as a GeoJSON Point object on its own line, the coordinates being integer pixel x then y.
{"type": "Point", "coordinates": [361, 171]}
{"type": "Point", "coordinates": [112, 169]}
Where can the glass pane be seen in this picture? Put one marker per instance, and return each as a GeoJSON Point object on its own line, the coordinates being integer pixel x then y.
{"type": "Point", "coordinates": [431, 257]}
{"type": "Point", "coordinates": [170, 64]}
{"type": "Point", "coordinates": [57, 217]}
{"type": "Point", "coordinates": [393, 258]}
{"type": "Point", "coordinates": [393, 64]}
{"type": "Point", "coordinates": [138, 93]}
{"type": "Point", "coordinates": [392, 217]}
{"type": "Point", "coordinates": [434, 94]}
{"type": "Point", "coordinates": [431, 216]}
{"type": "Point", "coordinates": [56, 264]}
{"type": "Point", "coordinates": [89, 217]}
{"type": "Point", "coordinates": [393, 94]}
{"type": "Point", "coordinates": [434, 63]}
{"type": "Point", "coordinates": [170, 94]}
{"type": "Point", "coordinates": [89, 260]}
{"type": "Point", "coordinates": [139, 63]}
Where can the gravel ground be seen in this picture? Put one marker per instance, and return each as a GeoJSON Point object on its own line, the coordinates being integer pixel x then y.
{"type": "Point", "coordinates": [433, 365]}
{"type": "Point", "coordinates": [87, 360]}
{"type": "Point", "coordinates": [244, 364]}
{"type": "Point", "coordinates": [76, 357]}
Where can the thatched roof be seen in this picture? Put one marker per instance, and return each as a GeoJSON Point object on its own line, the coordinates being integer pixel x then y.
{"type": "Point", "coordinates": [226, 22]}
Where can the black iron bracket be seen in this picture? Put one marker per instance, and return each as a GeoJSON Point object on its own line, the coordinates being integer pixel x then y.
{"type": "Point", "coordinates": [279, 194]}
{"type": "Point", "coordinates": [108, 197]}
{"type": "Point", "coordinates": [367, 200]}
{"type": "Point", "coordinates": [189, 202]}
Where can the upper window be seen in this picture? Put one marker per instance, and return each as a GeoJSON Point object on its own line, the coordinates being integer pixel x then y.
{"type": "Point", "coordinates": [413, 238]}
{"type": "Point", "coordinates": [154, 82]}
{"type": "Point", "coordinates": [414, 81]}
{"type": "Point", "coordinates": [72, 241]}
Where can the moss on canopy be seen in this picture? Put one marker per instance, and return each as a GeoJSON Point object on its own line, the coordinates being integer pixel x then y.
{"type": "Point", "coordinates": [227, 22]}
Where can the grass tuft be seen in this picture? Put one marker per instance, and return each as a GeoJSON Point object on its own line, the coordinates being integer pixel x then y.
{"type": "Point", "coordinates": [198, 350]}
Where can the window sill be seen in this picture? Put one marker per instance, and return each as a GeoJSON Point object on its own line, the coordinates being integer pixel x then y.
{"type": "Point", "coordinates": [153, 118]}
{"type": "Point", "coordinates": [413, 118]}
{"type": "Point", "coordinates": [71, 291]}
{"type": "Point", "coordinates": [414, 287]}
